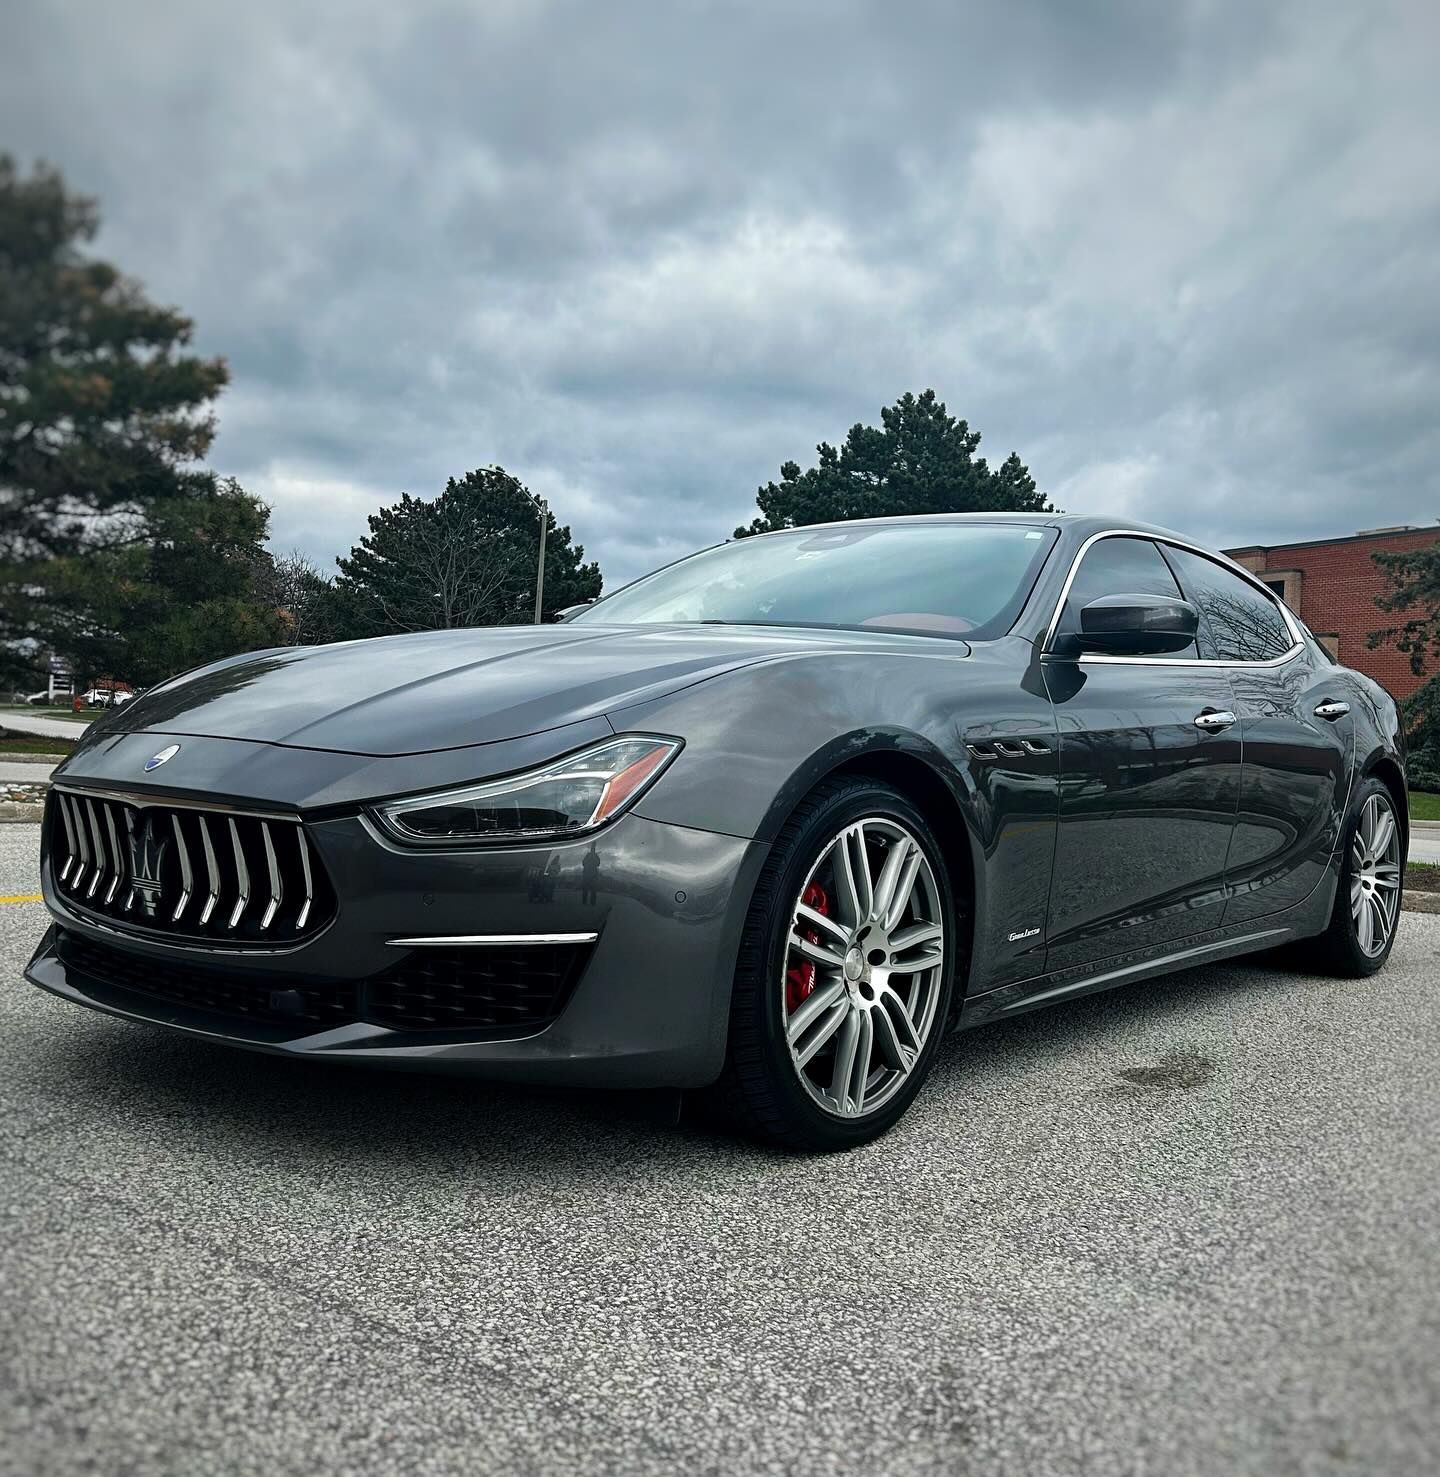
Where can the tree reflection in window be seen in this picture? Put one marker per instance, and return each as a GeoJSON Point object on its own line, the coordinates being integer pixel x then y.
{"type": "Point", "coordinates": [1238, 623]}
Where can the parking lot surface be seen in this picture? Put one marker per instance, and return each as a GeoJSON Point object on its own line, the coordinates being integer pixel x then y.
{"type": "Point", "coordinates": [1188, 1227]}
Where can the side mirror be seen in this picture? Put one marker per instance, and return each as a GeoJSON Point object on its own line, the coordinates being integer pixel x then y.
{"type": "Point", "coordinates": [1137, 625]}
{"type": "Point", "coordinates": [569, 612]}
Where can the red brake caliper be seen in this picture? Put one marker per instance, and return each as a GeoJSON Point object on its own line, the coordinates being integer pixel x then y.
{"type": "Point", "coordinates": [800, 978]}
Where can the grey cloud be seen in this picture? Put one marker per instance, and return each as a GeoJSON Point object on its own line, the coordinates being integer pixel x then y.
{"type": "Point", "coordinates": [1180, 257]}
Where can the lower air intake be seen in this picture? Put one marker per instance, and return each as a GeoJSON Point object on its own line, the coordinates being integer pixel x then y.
{"type": "Point", "coordinates": [481, 992]}
{"type": "Point", "coordinates": [275, 1002]}
{"type": "Point", "coordinates": [512, 989]}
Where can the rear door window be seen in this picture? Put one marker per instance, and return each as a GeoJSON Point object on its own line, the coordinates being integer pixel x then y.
{"type": "Point", "coordinates": [1238, 622]}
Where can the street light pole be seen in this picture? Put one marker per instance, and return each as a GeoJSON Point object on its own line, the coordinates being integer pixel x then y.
{"type": "Point", "coordinates": [540, 570]}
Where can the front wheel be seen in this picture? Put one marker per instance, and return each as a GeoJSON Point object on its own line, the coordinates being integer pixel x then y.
{"type": "Point", "coordinates": [845, 973]}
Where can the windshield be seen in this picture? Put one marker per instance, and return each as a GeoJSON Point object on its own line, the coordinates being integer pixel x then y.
{"type": "Point", "coordinates": [945, 579]}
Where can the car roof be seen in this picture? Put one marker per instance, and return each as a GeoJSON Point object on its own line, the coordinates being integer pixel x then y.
{"type": "Point", "coordinates": [1082, 523]}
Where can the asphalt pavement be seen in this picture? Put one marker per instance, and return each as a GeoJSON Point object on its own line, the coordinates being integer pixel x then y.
{"type": "Point", "coordinates": [1186, 1227]}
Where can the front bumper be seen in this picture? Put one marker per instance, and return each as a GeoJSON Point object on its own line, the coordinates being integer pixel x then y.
{"type": "Point", "coordinates": [666, 903]}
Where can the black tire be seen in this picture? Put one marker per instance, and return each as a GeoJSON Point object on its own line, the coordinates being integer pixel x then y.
{"type": "Point", "coordinates": [760, 1089]}
{"type": "Point", "coordinates": [1338, 950]}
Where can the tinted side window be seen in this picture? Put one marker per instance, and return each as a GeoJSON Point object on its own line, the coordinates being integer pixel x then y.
{"type": "Point", "coordinates": [1120, 566]}
{"type": "Point", "coordinates": [1238, 623]}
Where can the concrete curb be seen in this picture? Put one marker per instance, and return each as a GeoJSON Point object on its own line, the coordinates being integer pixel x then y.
{"type": "Point", "coordinates": [14, 811]}
{"type": "Point", "coordinates": [1420, 902]}
{"type": "Point", "coordinates": [51, 759]}
{"type": "Point", "coordinates": [1425, 828]}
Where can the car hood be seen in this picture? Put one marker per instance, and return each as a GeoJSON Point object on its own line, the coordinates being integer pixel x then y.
{"type": "Point", "coordinates": [450, 689]}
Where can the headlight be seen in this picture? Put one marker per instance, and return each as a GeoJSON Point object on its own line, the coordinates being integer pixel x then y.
{"type": "Point", "coordinates": [566, 798]}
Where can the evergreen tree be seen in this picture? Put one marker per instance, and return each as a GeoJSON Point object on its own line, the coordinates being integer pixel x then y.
{"type": "Point", "coordinates": [117, 549]}
{"type": "Point", "coordinates": [465, 558]}
{"type": "Point", "coordinates": [919, 460]}
{"type": "Point", "coordinates": [1415, 594]}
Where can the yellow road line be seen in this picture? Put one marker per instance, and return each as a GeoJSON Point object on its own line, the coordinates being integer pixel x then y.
{"type": "Point", "coordinates": [24, 897]}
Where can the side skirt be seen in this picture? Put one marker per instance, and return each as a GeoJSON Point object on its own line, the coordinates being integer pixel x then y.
{"type": "Point", "coordinates": [1304, 920]}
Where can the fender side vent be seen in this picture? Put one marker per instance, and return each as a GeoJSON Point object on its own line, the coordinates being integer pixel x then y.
{"type": "Point", "coordinates": [1008, 748]}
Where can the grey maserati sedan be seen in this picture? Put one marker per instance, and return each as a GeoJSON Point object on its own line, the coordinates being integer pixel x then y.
{"type": "Point", "coordinates": [766, 823]}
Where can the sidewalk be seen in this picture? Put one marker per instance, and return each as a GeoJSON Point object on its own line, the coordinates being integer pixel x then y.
{"type": "Point", "coordinates": [1425, 841]}
{"type": "Point", "coordinates": [23, 772]}
{"type": "Point", "coordinates": [38, 723]}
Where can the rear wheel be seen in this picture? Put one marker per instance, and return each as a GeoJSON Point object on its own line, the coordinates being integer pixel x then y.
{"type": "Point", "coordinates": [1362, 926]}
{"type": "Point", "coordinates": [845, 972]}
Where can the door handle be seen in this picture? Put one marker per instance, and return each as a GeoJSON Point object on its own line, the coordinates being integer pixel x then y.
{"type": "Point", "coordinates": [1213, 722]}
{"type": "Point", "coordinates": [1332, 710]}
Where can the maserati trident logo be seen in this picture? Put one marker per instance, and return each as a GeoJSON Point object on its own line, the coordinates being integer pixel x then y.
{"type": "Point", "coordinates": [147, 857]}
{"type": "Point", "coordinates": [156, 760]}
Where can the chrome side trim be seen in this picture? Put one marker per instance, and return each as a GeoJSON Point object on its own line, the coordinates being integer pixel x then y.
{"type": "Point", "coordinates": [490, 940]}
{"type": "Point", "coordinates": [1147, 661]}
{"type": "Point", "coordinates": [1093, 658]}
{"type": "Point", "coordinates": [1154, 966]}
{"type": "Point", "coordinates": [1190, 956]}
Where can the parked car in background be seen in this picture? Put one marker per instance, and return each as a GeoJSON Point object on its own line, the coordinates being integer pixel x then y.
{"type": "Point", "coordinates": [768, 820]}
{"type": "Point", "coordinates": [107, 697]}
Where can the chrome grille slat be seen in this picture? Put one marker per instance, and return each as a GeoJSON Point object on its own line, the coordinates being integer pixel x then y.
{"type": "Point", "coordinates": [242, 872]}
{"type": "Point", "coordinates": [138, 864]}
{"type": "Point", "coordinates": [80, 871]}
{"type": "Point", "coordinates": [277, 891]}
{"type": "Point", "coordinates": [309, 881]}
{"type": "Point", "coordinates": [101, 862]}
{"type": "Point", "coordinates": [115, 848]}
{"type": "Point", "coordinates": [187, 877]}
{"type": "Point", "coordinates": [129, 843]}
{"type": "Point", "coordinates": [212, 874]}
{"type": "Point", "coordinates": [71, 855]}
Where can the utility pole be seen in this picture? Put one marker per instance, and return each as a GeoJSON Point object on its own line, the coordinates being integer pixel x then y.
{"type": "Point", "coordinates": [540, 570]}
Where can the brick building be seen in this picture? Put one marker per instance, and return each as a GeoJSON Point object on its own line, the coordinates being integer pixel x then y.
{"type": "Point", "coordinates": [1331, 584]}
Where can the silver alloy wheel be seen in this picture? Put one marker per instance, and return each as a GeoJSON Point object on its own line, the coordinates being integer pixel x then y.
{"type": "Point", "coordinates": [875, 955]}
{"type": "Point", "coordinates": [1375, 876]}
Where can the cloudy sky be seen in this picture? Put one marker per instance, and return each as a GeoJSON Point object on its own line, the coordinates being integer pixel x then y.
{"type": "Point", "coordinates": [1183, 256]}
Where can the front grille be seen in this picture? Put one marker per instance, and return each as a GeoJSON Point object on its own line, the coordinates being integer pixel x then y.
{"type": "Point", "coordinates": [481, 991]}
{"type": "Point", "coordinates": [516, 988]}
{"type": "Point", "coordinates": [279, 1001]}
{"type": "Point", "coordinates": [202, 874]}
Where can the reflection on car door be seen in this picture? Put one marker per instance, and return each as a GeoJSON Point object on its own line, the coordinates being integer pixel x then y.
{"type": "Point", "coordinates": [1298, 736]}
{"type": "Point", "coordinates": [1148, 796]}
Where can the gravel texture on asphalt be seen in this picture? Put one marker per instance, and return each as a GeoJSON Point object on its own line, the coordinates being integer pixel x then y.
{"type": "Point", "coordinates": [1186, 1227]}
